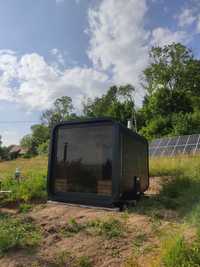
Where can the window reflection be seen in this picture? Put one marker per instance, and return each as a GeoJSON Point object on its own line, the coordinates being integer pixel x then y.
{"type": "Point", "coordinates": [84, 160]}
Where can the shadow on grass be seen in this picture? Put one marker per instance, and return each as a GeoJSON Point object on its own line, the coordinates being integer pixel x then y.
{"type": "Point", "coordinates": [180, 196]}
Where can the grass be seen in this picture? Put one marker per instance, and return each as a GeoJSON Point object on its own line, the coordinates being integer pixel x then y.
{"type": "Point", "coordinates": [180, 189]}
{"type": "Point", "coordinates": [24, 208]}
{"type": "Point", "coordinates": [183, 164]}
{"type": "Point", "coordinates": [139, 240]}
{"type": "Point", "coordinates": [180, 193]}
{"type": "Point", "coordinates": [177, 252]}
{"type": "Point", "coordinates": [17, 233]}
{"type": "Point", "coordinates": [108, 228]}
{"type": "Point", "coordinates": [72, 227]}
{"type": "Point", "coordinates": [65, 258]}
{"type": "Point", "coordinates": [32, 185]}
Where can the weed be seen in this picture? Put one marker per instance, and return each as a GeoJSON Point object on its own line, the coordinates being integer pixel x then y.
{"type": "Point", "coordinates": [72, 227]}
{"type": "Point", "coordinates": [140, 239]}
{"type": "Point", "coordinates": [109, 228]}
{"type": "Point", "coordinates": [21, 233]}
{"type": "Point", "coordinates": [131, 262]}
{"type": "Point", "coordinates": [24, 208]}
{"type": "Point", "coordinates": [84, 261]}
{"type": "Point", "coordinates": [63, 258]}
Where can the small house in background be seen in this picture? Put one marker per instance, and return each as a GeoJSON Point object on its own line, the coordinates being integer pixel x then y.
{"type": "Point", "coordinates": [97, 162]}
{"type": "Point", "coordinates": [16, 151]}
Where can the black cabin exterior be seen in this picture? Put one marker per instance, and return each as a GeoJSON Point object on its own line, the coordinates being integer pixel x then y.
{"type": "Point", "coordinates": [97, 162]}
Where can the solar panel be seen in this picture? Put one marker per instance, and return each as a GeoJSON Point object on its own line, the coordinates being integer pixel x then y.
{"type": "Point", "coordinates": [198, 148]}
{"type": "Point", "coordinates": [172, 146]}
{"type": "Point", "coordinates": [178, 150]}
{"type": "Point", "coordinates": [189, 149]}
{"type": "Point", "coordinates": [158, 152]}
{"type": "Point", "coordinates": [164, 141]}
{"type": "Point", "coordinates": [183, 140]}
{"type": "Point", "coordinates": [168, 151]}
{"type": "Point", "coordinates": [155, 142]}
{"type": "Point", "coordinates": [193, 139]}
{"type": "Point", "coordinates": [172, 141]}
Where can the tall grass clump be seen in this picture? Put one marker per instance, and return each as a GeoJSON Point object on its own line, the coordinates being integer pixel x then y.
{"type": "Point", "coordinates": [186, 165]}
{"type": "Point", "coordinates": [181, 191]}
{"type": "Point", "coordinates": [176, 252]}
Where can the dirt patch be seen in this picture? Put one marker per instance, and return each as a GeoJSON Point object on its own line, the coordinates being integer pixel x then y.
{"type": "Point", "coordinates": [101, 250]}
{"type": "Point", "coordinates": [156, 184]}
{"type": "Point", "coordinates": [58, 248]}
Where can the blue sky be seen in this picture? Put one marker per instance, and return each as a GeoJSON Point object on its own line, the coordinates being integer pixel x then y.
{"type": "Point", "coordinates": [50, 48]}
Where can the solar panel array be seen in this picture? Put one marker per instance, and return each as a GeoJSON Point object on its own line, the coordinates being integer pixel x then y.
{"type": "Point", "coordinates": [172, 146]}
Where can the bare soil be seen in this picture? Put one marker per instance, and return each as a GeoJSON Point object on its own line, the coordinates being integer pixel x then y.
{"type": "Point", "coordinates": [139, 239]}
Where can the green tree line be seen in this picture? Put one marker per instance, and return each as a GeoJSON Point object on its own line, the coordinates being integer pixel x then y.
{"type": "Point", "coordinates": [171, 105]}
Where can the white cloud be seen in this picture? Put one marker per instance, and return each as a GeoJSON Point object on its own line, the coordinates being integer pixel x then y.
{"type": "Point", "coordinates": [163, 36]}
{"type": "Point", "coordinates": [59, 57]}
{"type": "Point", "coordinates": [118, 50]}
{"type": "Point", "coordinates": [198, 24]}
{"type": "Point", "coordinates": [118, 40]}
{"type": "Point", "coordinates": [189, 16]}
{"type": "Point", "coordinates": [10, 137]}
{"type": "Point", "coordinates": [186, 17]}
{"type": "Point", "coordinates": [30, 81]}
{"type": "Point", "coordinates": [118, 43]}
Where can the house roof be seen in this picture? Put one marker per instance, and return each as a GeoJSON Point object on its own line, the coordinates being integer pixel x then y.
{"type": "Point", "coordinates": [15, 149]}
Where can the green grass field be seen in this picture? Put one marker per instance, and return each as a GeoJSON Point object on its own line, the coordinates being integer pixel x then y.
{"type": "Point", "coordinates": [32, 185]}
{"type": "Point", "coordinates": [179, 196]}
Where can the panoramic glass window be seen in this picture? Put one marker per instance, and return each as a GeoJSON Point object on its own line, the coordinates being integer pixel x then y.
{"type": "Point", "coordinates": [83, 160]}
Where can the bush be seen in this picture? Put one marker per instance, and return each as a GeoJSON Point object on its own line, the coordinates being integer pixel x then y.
{"type": "Point", "coordinates": [28, 189]}
{"type": "Point", "coordinates": [43, 148]}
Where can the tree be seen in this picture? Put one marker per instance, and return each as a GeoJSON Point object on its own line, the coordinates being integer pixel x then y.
{"type": "Point", "coordinates": [27, 142]}
{"type": "Point", "coordinates": [117, 103]}
{"type": "Point", "coordinates": [4, 151]}
{"type": "Point", "coordinates": [172, 84]}
{"type": "Point", "coordinates": [61, 111]}
{"type": "Point", "coordinates": [39, 135]}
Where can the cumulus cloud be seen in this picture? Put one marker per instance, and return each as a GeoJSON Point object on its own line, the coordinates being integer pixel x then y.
{"type": "Point", "coordinates": [189, 16]}
{"type": "Point", "coordinates": [118, 43]}
{"type": "Point", "coordinates": [59, 57]}
{"type": "Point", "coordinates": [163, 36]}
{"type": "Point", "coordinates": [118, 50]}
{"type": "Point", "coordinates": [186, 17]}
{"type": "Point", "coordinates": [30, 81]}
{"type": "Point", "coordinates": [118, 40]}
